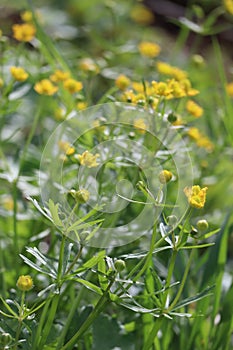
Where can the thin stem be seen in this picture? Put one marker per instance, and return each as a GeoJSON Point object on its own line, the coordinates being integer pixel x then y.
{"type": "Point", "coordinates": [169, 276]}
{"type": "Point", "coordinates": [90, 319]}
{"type": "Point", "coordinates": [75, 260]}
{"type": "Point", "coordinates": [182, 284]}
{"type": "Point", "coordinates": [50, 319]}
{"type": "Point", "coordinates": [69, 319]}
{"type": "Point", "coordinates": [153, 333]}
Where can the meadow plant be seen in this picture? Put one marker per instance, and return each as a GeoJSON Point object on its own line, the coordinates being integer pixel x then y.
{"type": "Point", "coordinates": [114, 228]}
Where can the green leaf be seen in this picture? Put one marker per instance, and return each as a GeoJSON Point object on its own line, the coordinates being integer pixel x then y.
{"type": "Point", "coordinates": [195, 298]}
{"type": "Point", "coordinates": [102, 276]}
{"type": "Point", "coordinates": [48, 269]}
{"type": "Point", "coordinates": [91, 262]}
{"type": "Point", "coordinates": [89, 285]}
{"type": "Point", "coordinates": [53, 208]}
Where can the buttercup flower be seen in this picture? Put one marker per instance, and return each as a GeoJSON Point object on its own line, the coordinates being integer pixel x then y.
{"type": "Point", "coordinates": [59, 75]}
{"type": "Point", "coordinates": [165, 176]}
{"type": "Point", "coordinates": [24, 283]}
{"type": "Point", "coordinates": [149, 49]}
{"type": "Point", "coordinates": [23, 32]}
{"type": "Point", "coordinates": [45, 87]}
{"type": "Point", "coordinates": [88, 65]}
{"type": "Point", "coordinates": [229, 89]}
{"type": "Point", "coordinates": [26, 16]}
{"type": "Point", "coordinates": [141, 14]}
{"type": "Point", "coordinates": [140, 125]}
{"type": "Point", "coordinates": [122, 82]}
{"type": "Point", "coordinates": [18, 73]}
{"type": "Point", "coordinates": [167, 69]}
{"type": "Point", "coordinates": [72, 85]}
{"type": "Point", "coordinates": [66, 147]}
{"type": "Point", "coordinates": [81, 105]}
{"type": "Point", "coordinates": [196, 196]}
{"type": "Point", "coordinates": [194, 109]}
{"type": "Point", "coordinates": [88, 159]}
{"type": "Point", "coordinates": [228, 4]}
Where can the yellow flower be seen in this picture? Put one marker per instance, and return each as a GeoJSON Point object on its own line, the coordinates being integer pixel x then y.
{"type": "Point", "coordinates": [200, 139]}
{"type": "Point", "coordinates": [149, 49]}
{"type": "Point", "coordinates": [59, 75]}
{"type": "Point", "coordinates": [161, 88]}
{"type": "Point", "coordinates": [81, 105]}
{"type": "Point", "coordinates": [129, 96]}
{"type": "Point", "coordinates": [1, 83]}
{"type": "Point", "coordinates": [24, 283]}
{"type": "Point", "coordinates": [196, 196]}
{"type": "Point", "coordinates": [194, 109]}
{"type": "Point", "coordinates": [72, 85]}
{"type": "Point", "coordinates": [229, 89]}
{"type": "Point", "coordinates": [140, 125]}
{"type": "Point", "coordinates": [165, 176]}
{"type": "Point", "coordinates": [228, 4]}
{"type": "Point", "coordinates": [141, 14]}
{"type": "Point", "coordinates": [66, 147]}
{"type": "Point", "coordinates": [167, 69]}
{"type": "Point", "coordinates": [194, 133]}
{"type": "Point", "coordinates": [23, 32]}
{"type": "Point", "coordinates": [88, 65]}
{"type": "Point", "coordinates": [26, 16]}
{"type": "Point", "coordinates": [186, 85]}
{"type": "Point", "coordinates": [8, 203]}
{"type": "Point", "coordinates": [45, 87]}
{"type": "Point", "coordinates": [122, 82]}
{"type": "Point", "coordinates": [18, 73]}
{"type": "Point", "coordinates": [88, 159]}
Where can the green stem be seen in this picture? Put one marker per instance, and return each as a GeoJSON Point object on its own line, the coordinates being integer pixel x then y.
{"type": "Point", "coordinates": [38, 334]}
{"type": "Point", "coordinates": [150, 340]}
{"type": "Point", "coordinates": [90, 319]}
{"type": "Point", "coordinates": [169, 276]}
{"type": "Point", "coordinates": [69, 319]}
{"type": "Point", "coordinates": [75, 260]}
{"type": "Point", "coordinates": [60, 263]}
{"type": "Point", "coordinates": [182, 284]}
{"type": "Point", "coordinates": [51, 315]}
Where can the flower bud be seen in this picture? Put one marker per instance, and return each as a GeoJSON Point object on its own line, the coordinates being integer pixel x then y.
{"type": "Point", "coordinates": [165, 176]}
{"type": "Point", "coordinates": [202, 225]}
{"type": "Point", "coordinates": [81, 195]}
{"type": "Point", "coordinates": [172, 220]}
{"type": "Point", "coordinates": [141, 186]}
{"type": "Point", "coordinates": [119, 265]}
{"type": "Point", "coordinates": [24, 283]}
{"type": "Point", "coordinates": [5, 339]}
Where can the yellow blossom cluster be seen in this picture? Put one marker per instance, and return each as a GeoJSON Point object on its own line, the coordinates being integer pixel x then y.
{"type": "Point", "coordinates": [122, 82]}
{"type": "Point", "coordinates": [24, 32]}
{"type": "Point", "coordinates": [48, 87]}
